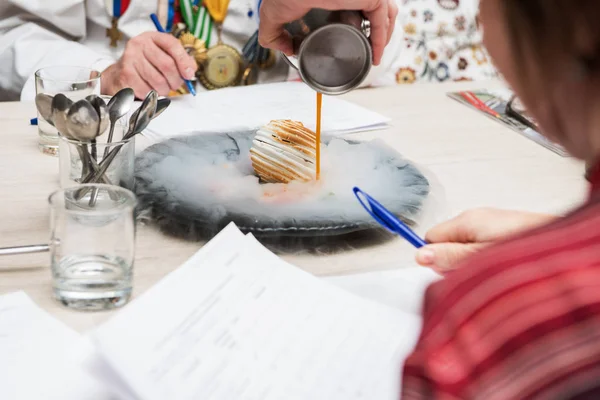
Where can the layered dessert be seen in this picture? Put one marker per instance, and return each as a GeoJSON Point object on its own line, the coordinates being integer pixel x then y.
{"type": "Point", "coordinates": [284, 151]}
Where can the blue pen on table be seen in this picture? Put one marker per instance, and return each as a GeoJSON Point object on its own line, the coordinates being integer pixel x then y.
{"type": "Point", "coordinates": [386, 219]}
{"type": "Point", "coordinates": [159, 28]}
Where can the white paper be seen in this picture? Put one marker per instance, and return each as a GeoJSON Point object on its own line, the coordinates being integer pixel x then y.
{"type": "Point", "coordinates": [249, 107]}
{"type": "Point", "coordinates": [38, 356]}
{"type": "Point", "coordinates": [403, 289]}
{"type": "Point", "coordinates": [250, 326]}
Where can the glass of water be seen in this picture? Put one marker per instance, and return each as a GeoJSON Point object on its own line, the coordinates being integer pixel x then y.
{"type": "Point", "coordinates": [74, 82]}
{"type": "Point", "coordinates": [92, 247]}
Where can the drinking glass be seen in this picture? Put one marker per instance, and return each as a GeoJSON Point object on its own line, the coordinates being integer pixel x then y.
{"type": "Point", "coordinates": [75, 158]}
{"type": "Point", "coordinates": [74, 82]}
{"type": "Point", "coordinates": [92, 247]}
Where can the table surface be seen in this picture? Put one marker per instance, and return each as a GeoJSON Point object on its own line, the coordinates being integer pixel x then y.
{"type": "Point", "coordinates": [473, 160]}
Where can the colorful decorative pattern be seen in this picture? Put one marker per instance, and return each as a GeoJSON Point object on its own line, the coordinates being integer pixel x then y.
{"type": "Point", "coordinates": [443, 41]}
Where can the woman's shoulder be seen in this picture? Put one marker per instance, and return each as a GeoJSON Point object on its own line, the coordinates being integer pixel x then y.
{"type": "Point", "coordinates": [533, 300]}
{"type": "Point", "coordinates": [539, 265]}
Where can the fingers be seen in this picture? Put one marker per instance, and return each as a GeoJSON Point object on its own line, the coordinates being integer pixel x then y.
{"type": "Point", "coordinates": [129, 76]}
{"type": "Point", "coordinates": [185, 64]}
{"type": "Point", "coordinates": [377, 12]}
{"type": "Point", "coordinates": [461, 229]}
{"type": "Point", "coordinates": [165, 66]}
{"type": "Point", "coordinates": [281, 42]}
{"type": "Point", "coordinates": [138, 84]}
{"type": "Point", "coordinates": [392, 15]}
{"type": "Point", "coordinates": [151, 61]}
{"type": "Point", "coordinates": [108, 84]}
{"type": "Point", "coordinates": [272, 18]}
{"type": "Point", "coordinates": [153, 77]}
{"type": "Point", "coordinates": [380, 26]}
{"type": "Point", "coordinates": [486, 224]}
{"type": "Point", "coordinates": [274, 14]}
{"type": "Point", "coordinates": [444, 257]}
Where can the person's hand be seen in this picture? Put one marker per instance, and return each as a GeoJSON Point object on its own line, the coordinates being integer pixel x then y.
{"type": "Point", "coordinates": [152, 60]}
{"type": "Point", "coordinates": [274, 14]}
{"type": "Point", "coordinates": [454, 240]}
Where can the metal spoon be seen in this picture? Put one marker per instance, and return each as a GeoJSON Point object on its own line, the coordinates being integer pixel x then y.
{"type": "Point", "coordinates": [161, 106]}
{"type": "Point", "coordinates": [118, 106]}
{"type": "Point", "coordinates": [102, 110]}
{"type": "Point", "coordinates": [61, 105]}
{"type": "Point", "coordinates": [36, 248]}
{"type": "Point", "coordinates": [82, 123]}
{"type": "Point", "coordinates": [43, 103]}
{"type": "Point", "coordinates": [144, 114]}
{"type": "Point", "coordinates": [60, 108]}
{"type": "Point", "coordinates": [138, 122]}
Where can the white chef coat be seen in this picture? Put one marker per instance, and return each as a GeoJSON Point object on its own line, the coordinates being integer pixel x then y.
{"type": "Point", "coordinates": [39, 33]}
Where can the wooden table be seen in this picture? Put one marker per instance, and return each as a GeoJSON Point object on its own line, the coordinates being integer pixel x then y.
{"type": "Point", "coordinates": [475, 161]}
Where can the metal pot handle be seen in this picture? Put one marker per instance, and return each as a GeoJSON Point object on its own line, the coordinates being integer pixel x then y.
{"type": "Point", "coordinates": [289, 62]}
{"type": "Point", "coordinates": [365, 27]}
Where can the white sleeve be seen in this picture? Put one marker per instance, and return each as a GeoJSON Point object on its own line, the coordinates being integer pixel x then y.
{"type": "Point", "coordinates": [28, 47]}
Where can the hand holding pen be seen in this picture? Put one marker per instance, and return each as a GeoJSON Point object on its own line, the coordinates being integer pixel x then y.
{"type": "Point", "coordinates": [150, 61]}
{"type": "Point", "coordinates": [186, 77]}
{"type": "Point", "coordinates": [453, 241]}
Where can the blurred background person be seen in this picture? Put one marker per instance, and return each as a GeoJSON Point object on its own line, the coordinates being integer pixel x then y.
{"type": "Point", "coordinates": [520, 318]}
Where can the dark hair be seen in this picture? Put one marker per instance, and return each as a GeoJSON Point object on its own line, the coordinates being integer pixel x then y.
{"type": "Point", "coordinates": [546, 30]}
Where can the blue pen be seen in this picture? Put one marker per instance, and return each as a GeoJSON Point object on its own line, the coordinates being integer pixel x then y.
{"type": "Point", "coordinates": [159, 28]}
{"type": "Point", "coordinates": [33, 121]}
{"type": "Point", "coordinates": [388, 220]}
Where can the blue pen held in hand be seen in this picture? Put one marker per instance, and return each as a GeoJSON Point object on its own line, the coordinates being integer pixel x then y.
{"type": "Point", "coordinates": [388, 220]}
{"type": "Point", "coordinates": [159, 28]}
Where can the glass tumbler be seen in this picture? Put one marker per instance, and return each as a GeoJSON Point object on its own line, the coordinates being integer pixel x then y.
{"type": "Point", "coordinates": [76, 158]}
{"type": "Point", "coordinates": [74, 82]}
{"type": "Point", "coordinates": [92, 247]}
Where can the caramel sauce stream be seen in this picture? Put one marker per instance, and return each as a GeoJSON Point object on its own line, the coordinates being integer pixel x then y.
{"type": "Point", "coordinates": [318, 138]}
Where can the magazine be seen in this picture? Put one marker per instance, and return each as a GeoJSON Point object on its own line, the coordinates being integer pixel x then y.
{"type": "Point", "coordinates": [497, 104]}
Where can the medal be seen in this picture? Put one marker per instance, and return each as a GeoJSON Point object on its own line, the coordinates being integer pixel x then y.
{"type": "Point", "coordinates": [115, 8]}
{"type": "Point", "coordinates": [250, 75]}
{"type": "Point", "coordinates": [186, 10]}
{"type": "Point", "coordinates": [223, 65]}
{"type": "Point", "coordinates": [222, 68]}
{"type": "Point", "coordinates": [194, 47]}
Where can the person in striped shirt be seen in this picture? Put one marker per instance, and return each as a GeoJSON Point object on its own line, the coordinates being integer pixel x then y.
{"type": "Point", "coordinates": [519, 316]}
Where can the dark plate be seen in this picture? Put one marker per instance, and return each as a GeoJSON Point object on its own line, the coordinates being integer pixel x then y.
{"type": "Point", "coordinates": [186, 216]}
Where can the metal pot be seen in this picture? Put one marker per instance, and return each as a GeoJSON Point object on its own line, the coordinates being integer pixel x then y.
{"type": "Point", "coordinates": [332, 51]}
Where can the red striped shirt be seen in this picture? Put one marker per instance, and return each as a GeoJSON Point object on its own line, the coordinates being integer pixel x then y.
{"type": "Point", "coordinates": [520, 320]}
